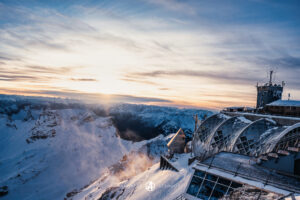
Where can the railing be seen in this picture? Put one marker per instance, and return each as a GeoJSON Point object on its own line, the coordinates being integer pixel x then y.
{"type": "Point", "coordinates": [265, 181]}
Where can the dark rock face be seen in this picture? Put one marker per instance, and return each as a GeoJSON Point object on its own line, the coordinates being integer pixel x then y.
{"type": "Point", "coordinates": [142, 122]}
{"type": "Point", "coordinates": [70, 194]}
{"type": "Point", "coordinates": [113, 192]}
{"type": "Point", "coordinates": [44, 126]}
{"type": "Point", "coordinates": [132, 128]}
{"type": "Point", "coordinates": [3, 191]}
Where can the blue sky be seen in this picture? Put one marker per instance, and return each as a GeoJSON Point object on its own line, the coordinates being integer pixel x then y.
{"type": "Point", "coordinates": [167, 52]}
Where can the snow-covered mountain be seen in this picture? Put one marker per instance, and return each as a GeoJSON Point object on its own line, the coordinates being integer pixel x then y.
{"type": "Point", "coordinates": [56, 149]}
{"type": "Point", "coordinates": [138, 122]}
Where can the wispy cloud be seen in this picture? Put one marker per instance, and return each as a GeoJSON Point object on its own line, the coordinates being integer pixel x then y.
{"type": "Point", "coordinates": [33, 73]}
{"type": "Point", "coordinates": [174, 5]}
{"type": "Point", "coordinates": [83, 79]}
{"type": "Point", "coordinates": [89, 97]}
{"type": "Point", "coordinates": [179, 49]}
{"type": "Point", "coordinates": [137, 80]}
{"type": "Point", "coordinates": [217, 76]}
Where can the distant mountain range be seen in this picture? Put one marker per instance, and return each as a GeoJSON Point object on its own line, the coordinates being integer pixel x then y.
{"type": "Point", "coordinates": [51, 148]}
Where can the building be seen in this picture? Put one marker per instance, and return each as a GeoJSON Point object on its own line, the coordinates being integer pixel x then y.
{"type": "Point", "coordinates": [234, 176]}
{"type": "Point", "coordinates": [239, 109]}
{"type": "Point", "coordinates": [268, 101]}
{"type": "Point", "coordinates": [284, 107]}
{"type": "Point", "coordinates": [268, 93]}
{"type": "Point", "coordinates": [241, 152]}
{"type": "Point", "coordinates": [177, 142]}
{"type": "Point", "coordinates": [234, 156]}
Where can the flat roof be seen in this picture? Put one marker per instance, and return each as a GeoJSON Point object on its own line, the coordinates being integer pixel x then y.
{"type": "Point", "coordinates": [285, 103]}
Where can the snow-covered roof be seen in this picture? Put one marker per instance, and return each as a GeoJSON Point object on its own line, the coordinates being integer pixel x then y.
{"type": "Point", "coordinates": [243, 166]}
{"type": "Point", "coordinates": [285, 103]}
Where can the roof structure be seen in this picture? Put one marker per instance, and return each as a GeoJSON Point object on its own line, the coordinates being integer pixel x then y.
{"type": "Point", "coordinates": [285, 103]}
{"type": "Point", "coordinates": [177, 143]}
{"type": "Point", "coordinates": [236, 134]}
{"type": "Point", "coordinates": [244, 169]}
{"type": "Point", "coordinates": [179, 134]}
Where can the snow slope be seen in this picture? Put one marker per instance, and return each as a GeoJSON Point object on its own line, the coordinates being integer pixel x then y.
{"type": "Point", "coordinates": [49, 150]}
{"type": "Point", "coordinates": [36, 165]}
{"type": "Point", "coordinates": [150, 184]}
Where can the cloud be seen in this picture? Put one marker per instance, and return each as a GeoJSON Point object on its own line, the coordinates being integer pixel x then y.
{"type": "Point", "coordinates": [5, 58]}
{"type": "Point", "coordinates": [291, 62]}
{"type": "Point", "coordinates": [83, 79]}
{"type": "Point", "coordinates": [33, 73]}
{"type": "Point", "coordinates": [186, 46]}
{"type": "Point", "coordinates": [138, 81]}
{"type": "Point", "coordinates": [4, 77]}
{"type": "Point", "coordinates": [49, 70]}
{"type": "Point", "coordinates": [89, 97]}
{"type": "Point", "coordinates": [218, 76]}
{"type": "Point", "coordinates": [164, 88]}
{"type": "Point", "coordinates": [174, 5]}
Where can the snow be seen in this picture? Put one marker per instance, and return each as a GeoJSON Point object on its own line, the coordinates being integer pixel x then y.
{"type": "Point", "coordinates": [48, 167]}
{"type": "Point", "coordinates": [171, 119]}
{"type": "Point", "coordinates": [285, 103]}
{"type": "Point", "coordinates": [243, 119]}
{"type": "Point", "coordinates": [81, 150]}
{"type": "Point", "coordinates": [168, 184]}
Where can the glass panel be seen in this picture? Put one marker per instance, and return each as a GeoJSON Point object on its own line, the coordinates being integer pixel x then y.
{"type": "Point", "coordinates": [235, 185]}
{"type": "Point", "coordinates": [211, 177]}
{"type": "Point", "coordinates": [194, 186]}
{"type": "Point", "coordinates": [199, 173]}
{"type": "Point", "coordinates": [206, 189]}
{"type": "Point", "coordinates": [224, 181]}
{"type": "Point", "coordinates": [219, 191]}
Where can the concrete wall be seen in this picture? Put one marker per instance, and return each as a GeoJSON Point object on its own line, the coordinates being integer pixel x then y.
{"type": "Point", "coordinates": [284, 110]}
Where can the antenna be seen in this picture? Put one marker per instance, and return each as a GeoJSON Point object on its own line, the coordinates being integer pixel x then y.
{"type": "Point", "coordinates": [270, 81]}
{"type": "Point", "coordinates": [289, 96]}
{"type": "Point", "coordinates": [196, 122]}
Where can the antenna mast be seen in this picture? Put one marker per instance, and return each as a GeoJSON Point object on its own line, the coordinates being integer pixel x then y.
{"type": "Point", "coordinates": [270, 81]}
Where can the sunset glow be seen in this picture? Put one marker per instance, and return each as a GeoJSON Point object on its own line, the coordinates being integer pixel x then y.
{"type": "Point", "coordinates": [168, 52]}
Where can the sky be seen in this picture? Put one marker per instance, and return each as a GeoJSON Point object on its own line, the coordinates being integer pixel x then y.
{"type": "Point", "coordinates": [185, 53]}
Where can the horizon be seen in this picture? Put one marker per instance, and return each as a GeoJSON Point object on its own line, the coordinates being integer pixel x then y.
{"type": "Point", "coordinates": [186, 54]}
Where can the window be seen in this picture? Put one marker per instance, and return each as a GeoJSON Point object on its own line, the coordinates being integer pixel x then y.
{"type": "Point", "coordinates": [194, 186]}
{"type": "Point", "coordinates": [210, 187]}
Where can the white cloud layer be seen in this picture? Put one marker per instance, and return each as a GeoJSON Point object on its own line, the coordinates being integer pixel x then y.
{"type": "Point", "coordinates": [131, 52]}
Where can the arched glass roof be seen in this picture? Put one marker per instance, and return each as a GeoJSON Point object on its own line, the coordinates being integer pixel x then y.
{"type": "Point", "coordinates": [249, 138]}
{"type": "Point", "coordinates": [237, 134]}
{"type": "Point", "coordinates": [224, 135]}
